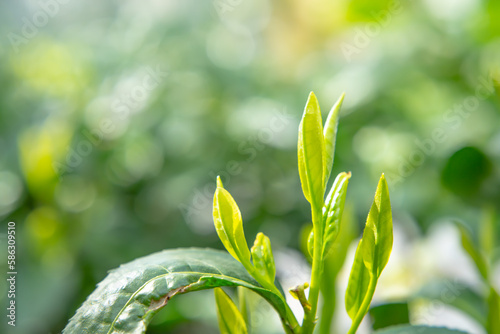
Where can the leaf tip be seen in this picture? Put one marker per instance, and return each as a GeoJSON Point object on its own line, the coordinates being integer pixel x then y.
{"type": "Point", "coordinates": [219, 182]}
{"type": "Point", "coordinates": [312, 104]}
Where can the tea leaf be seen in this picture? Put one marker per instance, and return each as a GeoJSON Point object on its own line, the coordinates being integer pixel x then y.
{"type": "Point", "coordinates": [229, 225]}
{"type": "Point", "coordinates": [230, 319]}
{"type": "Point", "coordinates": [330, 135]}
{"type": "Point", "coordinates": [376, 244]}
{"type": "Point", "coordinates": [262, 257]}
{"type": "Point", "coordinates": [128, 298]}
{"type": "Point", "coordinates": [372, 254]}
{"type": "Point", "coordinates": [311, 153]}
{"type": "Point", "coordinates": [333, 209]}
{"type": "Point", "coordinates": [357, 287]}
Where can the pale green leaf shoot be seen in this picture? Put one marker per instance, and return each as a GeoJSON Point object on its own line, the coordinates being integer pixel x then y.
{"type": "Point", "coordinates": [310, 150]}
{"type": "Point", "coordinates": [262, 257]}
{"type": "Point", "coordinates": [372, 255]}
{"type": "Point", "coordinates": [330, 135]}
{"type": "Point", "coordinates": [230, 319]}
{"type": "Point", "coordinates": [332, 211]}
{"type": "Point", "coordinates": [229, 224]}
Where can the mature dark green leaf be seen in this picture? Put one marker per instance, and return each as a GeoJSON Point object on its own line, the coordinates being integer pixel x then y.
{"type": "Point", "coordinates": [126, 300]}
{"type": "Point", "coordinates": [310, 151]}
{"type": "Point", "coordinates": [230, 319]}
{"type": "Point", "coordinates": [389, 314]}
{"type": "Point", "coordinates": [408, 329]}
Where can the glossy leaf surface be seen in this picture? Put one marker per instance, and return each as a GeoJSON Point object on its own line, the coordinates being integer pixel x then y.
{"type": "Point", "coordinates": [229, 224]}
{"type": "Point", "coordinates": [310, 150]}
{"type": "Point", "coordinates": [372, 254]}
{"type": "Point", "coordinates": [330, 135]}
{"type": "Point", "coordinates": [126, 300]}
{"type": "Point", "coordinates": [332, 211]}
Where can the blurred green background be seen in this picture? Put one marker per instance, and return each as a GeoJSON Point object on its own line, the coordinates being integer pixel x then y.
{"type": "Point", "coordinates": [115, 118]}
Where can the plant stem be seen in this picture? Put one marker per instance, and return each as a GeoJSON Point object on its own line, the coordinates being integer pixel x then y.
{"type": "Point", "coordinates": [363, 309]}
{"type": "Point", "coordinates": [327, 311]}
{"type": "Point", "coordinates": [310, 317]}
{"type": "Point", "coordinates": [290, 323]}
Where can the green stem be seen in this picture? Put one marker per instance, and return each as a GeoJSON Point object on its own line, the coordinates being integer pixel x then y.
{"type": "Point", "coordinates": [310, 317]}
{"type": "Point", "coordinates": [290, 323]}
{"type": "Point", "coordinates": [363, 309]}
{"type": "Point", "coordinates": [327, 311]}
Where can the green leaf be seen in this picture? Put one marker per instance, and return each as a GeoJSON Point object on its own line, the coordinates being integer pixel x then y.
{"type": "Point", "coordinates": [408, 329]}
{"type": "Point", "coordinates": [357, 286]}
{"type": "Point", "coordinates": [126, 300]}
{"type": "Point", "coordinates": [230, 319]}
{"type": "Point", "coordinates": [372, 254]}
{"type": "Point", "coordinates": [330, 135]}
{"type": "Point", "coordinates": [332, 211]}
{"type": "Point", "coordinates": [229, 225]}
{"type": "Point", "coordinates": [376, 244]}
{"type": "Point", "coordinates": [389, 314]}
{"type": "Point", "coordinates": [473, 251]}
{"type": "Point", "coordinates": [262, 257]}
{"type": "Point", "coordinates": [310, 150]}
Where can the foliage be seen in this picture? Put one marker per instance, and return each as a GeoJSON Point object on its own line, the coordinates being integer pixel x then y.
{"type": "Point", "coordinates": [129, 297]}
{"type": "Point", "coordinates": [95, 173]}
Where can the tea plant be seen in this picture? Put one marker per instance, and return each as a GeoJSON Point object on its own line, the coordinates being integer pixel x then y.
{"type": "Point", "coordinates": [128, 298]}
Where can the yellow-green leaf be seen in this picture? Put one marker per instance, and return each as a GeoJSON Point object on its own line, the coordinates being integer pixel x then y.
{"type": "Point", "coordinates": [333, 209]}
{"type": "Point", "coordinates": [310, 150]}
{"type": "Point", "coordinates": [262, 257]}
{"type": "Point", "coordinates": [376, 244]}
{"type": "Point", "coordinates": [372, 255]}
{"type": "Point", "coordinates": [230, 319]}
{"type": "Point", "coordinates": [330, 135]}
{"type": "Point", "coordinates": [357, 286]}
{"type": "Point", "coordinates": [229, 225]}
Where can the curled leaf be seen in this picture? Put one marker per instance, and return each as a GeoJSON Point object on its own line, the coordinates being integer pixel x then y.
{"type": "Point", "coordinates": [330, 135]}
{"type": "Point", "coordinates": [262, 257]}
{"type": "Point", "coordinates": [229, 225]}
{"type": "Point", "coordinates": [332, 211]}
